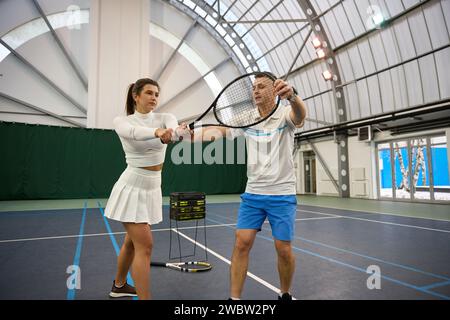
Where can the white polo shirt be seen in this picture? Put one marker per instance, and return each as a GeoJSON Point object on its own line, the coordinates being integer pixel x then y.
{"type": "Point", "coordinates": [270, 164]}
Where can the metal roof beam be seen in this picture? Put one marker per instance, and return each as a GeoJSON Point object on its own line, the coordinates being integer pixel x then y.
{"type": "Point", "coordinates": [77, 70]}
{"type": "Point", "coordinates": [364, 35]}
{"type": "Point", "coordinates": [213, 31]}
{"type": "Point", "coordinates": [50, 82]}
{"type": "Point", "coordinates": [246, 11]}
{"type": "Point", "coordinates": [298, 54]}
{"type": "Point", "coordinates": [160, 73]}
{"type": "Point", "coordinates": [46, 112]}
{"type": "Point", "coordinates": [262, 18]}
{"type": "Point", "coordinates": [193, 83]}
{"type": "Point", "coordinates": [379, 71]}
{"type": "Point", "coordinates": [269, 21]}
{"type": "Point", "coordinates": [229, 8]}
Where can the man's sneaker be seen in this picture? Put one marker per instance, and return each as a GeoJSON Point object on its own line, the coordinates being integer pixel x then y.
{"type": "Point", "coordinates": [125, 291]}
{"type": "Point", "coordinates": [285, 296]}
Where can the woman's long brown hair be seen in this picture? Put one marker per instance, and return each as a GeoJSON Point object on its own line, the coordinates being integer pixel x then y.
{"type": "Point", "coordinates": [136, 89]}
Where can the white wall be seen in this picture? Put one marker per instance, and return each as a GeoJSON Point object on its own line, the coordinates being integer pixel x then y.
{"type": "Point", "coordinates": [298, 165]}
{"type": "Point", "coordinates": [119, 50]}
{"type": "Point", "coordinates": [361, 168]}
{"type": "Point", "coordinates": [328, 152]}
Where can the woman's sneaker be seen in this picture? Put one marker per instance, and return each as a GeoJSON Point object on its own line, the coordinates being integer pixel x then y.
{"type": "Point", "coordinates": [125, 291]}
{"type": "Point", "coordinates": [285, 296]}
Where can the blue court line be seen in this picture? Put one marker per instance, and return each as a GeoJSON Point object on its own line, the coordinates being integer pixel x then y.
{"type": "Point", "coordinates": [394, 215]}
{"type": "Point", "coordinates": [349, 265]}
{"type": "Point", "coordinates": [114, 243]}
{"type": "Point", "coordinates": [108, 228]}
{"type": "Point", "coordinates": [256, 132]}
{"type": "Point", "coordinates": [366, 256]}
{"type": "Point", "coordinates": [375, 259]}
{"type": "Point", "coordinates": [76, 259]}
{"type": "Point", "coordinates": [435, 285]}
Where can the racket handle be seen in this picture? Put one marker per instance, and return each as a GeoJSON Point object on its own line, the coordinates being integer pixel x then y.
{"type": "Point", "coordinates": [158, 264]}
{"type": "Point", "coordinates": [176, 137]}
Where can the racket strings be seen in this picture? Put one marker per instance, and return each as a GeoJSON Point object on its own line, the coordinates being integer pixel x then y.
{"type": "Point", "coordinates": [236, 106]}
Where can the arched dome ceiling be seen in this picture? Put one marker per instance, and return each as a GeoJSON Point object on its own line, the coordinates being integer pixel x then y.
{"type": "Point", "coordinates": [382, 56]}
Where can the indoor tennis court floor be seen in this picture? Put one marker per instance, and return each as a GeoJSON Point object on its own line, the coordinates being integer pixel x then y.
{"type": "Point", "coordinates": [345, 249]}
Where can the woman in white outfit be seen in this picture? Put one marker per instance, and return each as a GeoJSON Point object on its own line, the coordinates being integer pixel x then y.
{"type": "Point", "coordinates": [136, 198]}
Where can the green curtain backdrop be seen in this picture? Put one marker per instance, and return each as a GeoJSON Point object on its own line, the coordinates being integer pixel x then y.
{"type": "Point", "coordinates": [49, 162]}
{"type": "Point", "coordinates": [224, 176]}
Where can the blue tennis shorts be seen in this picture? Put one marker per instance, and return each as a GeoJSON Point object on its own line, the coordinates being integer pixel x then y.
{"type": "Point", "coordinates": [279, 209]}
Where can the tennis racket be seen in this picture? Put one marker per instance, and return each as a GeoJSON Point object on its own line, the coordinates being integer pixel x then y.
{"type": "Point", "coordinates": [236, 106]}
{"type": "Point", "coordinates": [188, 266]}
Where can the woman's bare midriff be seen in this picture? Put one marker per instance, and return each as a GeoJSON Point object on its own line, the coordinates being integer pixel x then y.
{"type": "Point", "coordinates": [157, 167]}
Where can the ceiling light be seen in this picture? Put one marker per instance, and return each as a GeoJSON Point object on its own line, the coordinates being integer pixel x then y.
{"type": "Point", "coordinates": [378, 19]}
{"type": "Point", "coordinates": [327, 75]}
{"type": "Point", "coordinates": [316, 43]}
{"type": "Point", "coordinates": [320, 53]}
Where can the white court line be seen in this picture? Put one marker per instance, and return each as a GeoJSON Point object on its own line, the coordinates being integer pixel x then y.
{"type": "Point", "coordinates": [377, 212]}
{"type": "Point", "coordinates": [251, 275]}
{"type": "Point", "coordinates": [122, 232]}
{"type": "Point", "coordinates": [102, 234]}
{"type": "Point", "coordinates": [383, 222]}
{"type": "Point", "coordinates": [321, 218]}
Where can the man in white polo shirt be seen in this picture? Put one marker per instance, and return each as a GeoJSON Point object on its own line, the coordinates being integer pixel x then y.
{"type": "Point", "coordinates": [270, 191]}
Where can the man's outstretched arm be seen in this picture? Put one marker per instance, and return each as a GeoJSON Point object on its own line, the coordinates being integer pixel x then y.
{"type": "Point", "coordinates": [209, 133]}
{"type": "Point", "coordinates": [298, 107]}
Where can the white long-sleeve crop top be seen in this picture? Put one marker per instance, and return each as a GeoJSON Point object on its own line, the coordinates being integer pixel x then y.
{"type": "Point", "coordinates": [137, 135]}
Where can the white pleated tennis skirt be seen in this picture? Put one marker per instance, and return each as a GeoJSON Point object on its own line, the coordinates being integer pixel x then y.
{"type": "Point", "coordinates": [136, 197]}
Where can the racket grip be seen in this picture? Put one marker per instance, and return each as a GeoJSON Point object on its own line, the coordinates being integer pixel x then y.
{"type": "Point", "coordinates": [158, 264]}
{"type": "Point", "coordinates": [180, 134]}
{"type": "Point", "coordinates": [176, 137]}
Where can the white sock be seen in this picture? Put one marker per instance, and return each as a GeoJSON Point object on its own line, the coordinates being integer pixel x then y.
{"type": "Point", "coordinates": [233, 298]}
